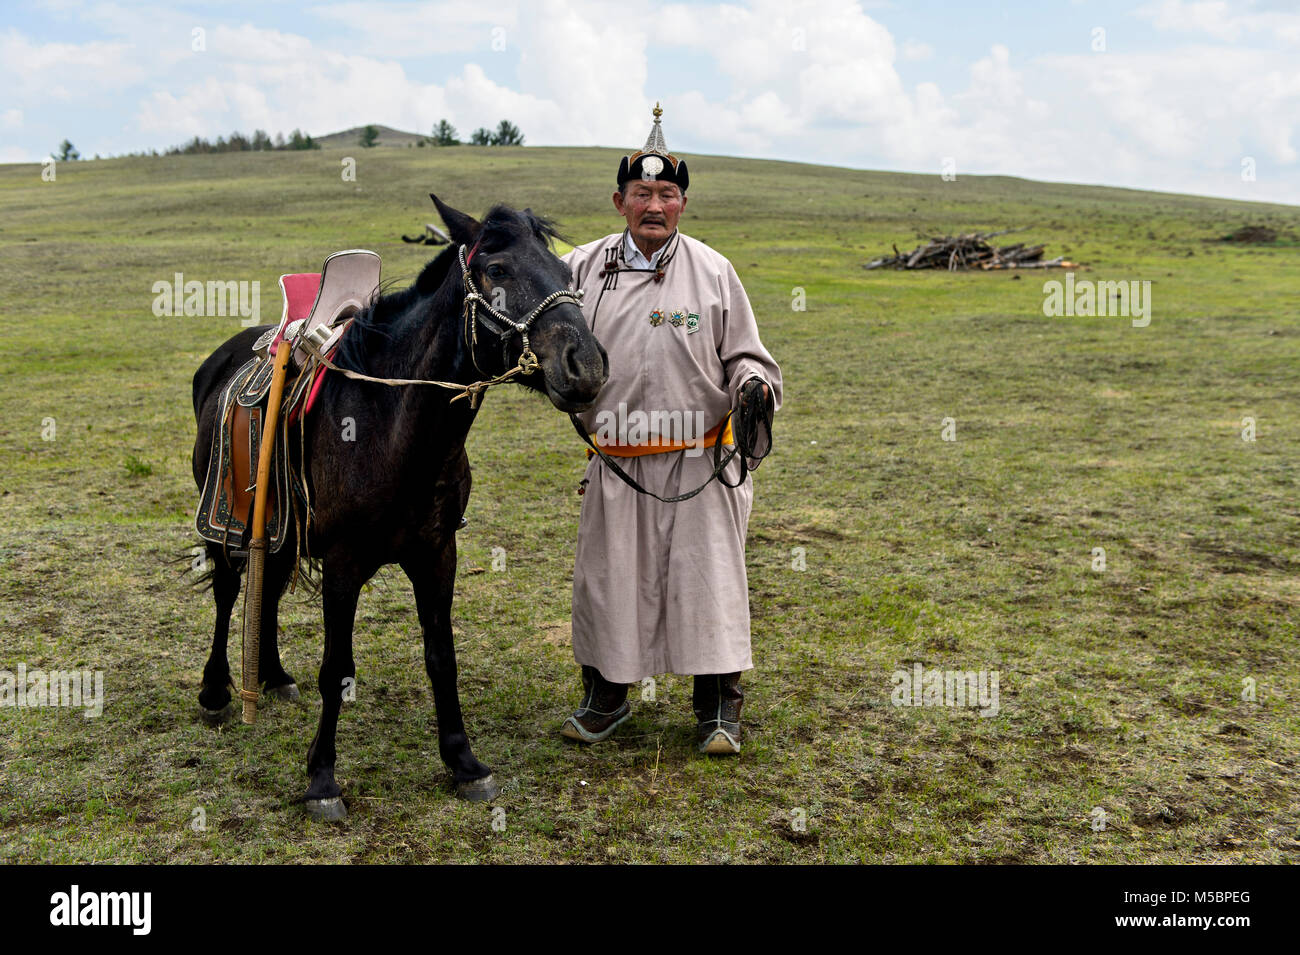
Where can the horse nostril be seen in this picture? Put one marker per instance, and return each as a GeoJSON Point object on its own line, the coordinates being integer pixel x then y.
{"type": "Point", "coordinates": [572, 367]}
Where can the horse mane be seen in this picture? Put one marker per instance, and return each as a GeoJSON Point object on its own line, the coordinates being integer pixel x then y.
{"type": "Point", "coordinates": [501, 227]}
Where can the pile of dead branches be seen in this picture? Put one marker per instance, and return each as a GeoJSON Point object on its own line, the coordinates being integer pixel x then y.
{"type": "Point", "coordinates": [970, 252]}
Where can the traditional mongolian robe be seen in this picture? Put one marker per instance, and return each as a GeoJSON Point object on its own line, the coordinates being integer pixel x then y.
{"type": "Point", "coordinates": [661, 588]}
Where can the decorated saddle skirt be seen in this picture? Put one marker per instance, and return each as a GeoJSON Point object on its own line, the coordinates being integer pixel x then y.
{"type": "Point", "coordinates": [225, 510]}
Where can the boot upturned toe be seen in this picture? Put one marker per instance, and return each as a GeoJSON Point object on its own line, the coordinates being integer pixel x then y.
{"type": "Point", "coordinates": [717, 700]}
{"type": "Point", "coordinates": [604, 707]}
{"type": "Point", "coordinates": [589, 726]}
{"type": "Point", "coordinates": [719, 739]}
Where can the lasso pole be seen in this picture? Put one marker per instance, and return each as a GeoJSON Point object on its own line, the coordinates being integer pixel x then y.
{"type": "Point", "coordinates": [257, 545]}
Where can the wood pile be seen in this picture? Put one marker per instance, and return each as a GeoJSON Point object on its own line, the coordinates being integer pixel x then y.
{"type": "Point", "coordinates": [1255, 234]}
{"type": "Point", "coordinates": [970, 252]}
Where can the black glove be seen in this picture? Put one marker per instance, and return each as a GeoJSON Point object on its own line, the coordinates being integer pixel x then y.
{"type": "Point", "coordinates": [753, 422]}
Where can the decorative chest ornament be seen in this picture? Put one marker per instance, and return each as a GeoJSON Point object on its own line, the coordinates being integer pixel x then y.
{"type": "Point", "coordinates": [692, 323]}
{"type": "Point", "coordinates": [677, 317]}
{"type": "Point", "coordinates": [657, 317]}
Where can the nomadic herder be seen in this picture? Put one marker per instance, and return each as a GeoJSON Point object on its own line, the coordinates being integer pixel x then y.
{"type": "Point", "coordinates": [661, 587]}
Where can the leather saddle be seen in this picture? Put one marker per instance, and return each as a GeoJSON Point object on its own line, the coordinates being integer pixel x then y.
{"type": "Point", "coordinates": [318, 307]}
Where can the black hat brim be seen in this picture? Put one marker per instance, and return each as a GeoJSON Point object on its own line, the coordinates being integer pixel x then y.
{"type": "Point", "coordinates": [676, 174]}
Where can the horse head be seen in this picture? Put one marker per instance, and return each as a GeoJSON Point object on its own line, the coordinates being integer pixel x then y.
{"type": "Point", "coordinates": [510, 264]}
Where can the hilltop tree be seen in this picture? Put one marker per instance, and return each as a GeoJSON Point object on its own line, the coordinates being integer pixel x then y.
{"type": "Point", "coordinates": [67, 151]}
{"type": "Point", "coordinates": [444, 134]}
{"type": "Point", "coordinates": [507, 134]}
{"type": "Point", "coordinates": [299, 140]}
{"type": "Point", "coordinates": [369, 137]}
{"type": "Point", "coordinates": [481, 137]}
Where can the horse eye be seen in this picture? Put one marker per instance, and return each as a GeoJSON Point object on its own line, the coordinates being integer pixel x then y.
{"type": "Point", "coordinates": [496, 272]}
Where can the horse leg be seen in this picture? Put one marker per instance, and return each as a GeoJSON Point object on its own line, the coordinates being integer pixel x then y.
{"type": "Point", "coordinates": [214, 695]}
{"type": "Point", "coordinates": [433, 580]}
{"type": "Point", "coordinates": [271, 673]}
{"type": "Point", "coordinates": [342, 578]}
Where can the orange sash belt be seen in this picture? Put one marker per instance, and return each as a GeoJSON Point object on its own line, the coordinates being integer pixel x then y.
{"type": "Point", "coordinates": [656, 446]}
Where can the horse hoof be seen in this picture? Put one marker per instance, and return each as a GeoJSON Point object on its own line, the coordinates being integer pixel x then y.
{"type": "Point", "coordinates": [218, 717]}
{"type": "Point", "coordinates": [288, 692]}
{"type": "Point", "coordinates": [327, 810]}
{"type": "Point", "coordinates": [479, 790]}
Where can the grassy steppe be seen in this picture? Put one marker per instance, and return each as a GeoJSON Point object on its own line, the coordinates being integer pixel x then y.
{"type": "Point", "coordinates": [1120, 689]}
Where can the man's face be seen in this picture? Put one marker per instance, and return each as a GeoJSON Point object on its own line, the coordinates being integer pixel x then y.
{"type": "Point", "coordinates": [651, 209]}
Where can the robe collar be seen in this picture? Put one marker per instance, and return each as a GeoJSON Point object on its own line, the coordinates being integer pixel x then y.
{"type": "Point", "coordinates": [634, 258]}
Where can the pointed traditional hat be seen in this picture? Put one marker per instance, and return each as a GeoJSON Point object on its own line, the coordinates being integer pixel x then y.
{"type": "Point", "coordinates": [653, 162]}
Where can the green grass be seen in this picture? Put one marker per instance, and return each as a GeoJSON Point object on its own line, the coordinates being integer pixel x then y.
{"type": "Point", "coordinates": [1120, 689]}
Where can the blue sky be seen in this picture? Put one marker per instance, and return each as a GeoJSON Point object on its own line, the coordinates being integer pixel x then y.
{"type": "Point", "coordinates": [1167, 94]}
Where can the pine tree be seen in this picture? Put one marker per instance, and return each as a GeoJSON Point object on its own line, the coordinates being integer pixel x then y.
{"type": "Point", "coordinates": [507, 134]}
{"type": "Point", "coordinates": [444, 134]}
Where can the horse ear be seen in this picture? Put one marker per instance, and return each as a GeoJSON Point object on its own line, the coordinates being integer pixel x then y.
{"type": "Point", "coordinates": [462, 228]}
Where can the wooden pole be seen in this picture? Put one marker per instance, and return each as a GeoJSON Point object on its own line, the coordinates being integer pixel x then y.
{"type": "Point", "coordinates": [257, 544]}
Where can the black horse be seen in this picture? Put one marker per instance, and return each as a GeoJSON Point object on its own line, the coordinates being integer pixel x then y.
{"type": "Point", "coordinates": [391, 485]}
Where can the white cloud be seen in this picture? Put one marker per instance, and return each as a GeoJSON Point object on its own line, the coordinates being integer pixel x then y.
{"type": "Point", "coordinates": [591, 68]}
{"type": "Point", "coordinates": [39, 72]}
{"type": "Point", "coordinates": [403, 30]}
{"type": "Point", "coordinates": [1223, 21]}
{"type": "Point", "coordinates": [814, 81]}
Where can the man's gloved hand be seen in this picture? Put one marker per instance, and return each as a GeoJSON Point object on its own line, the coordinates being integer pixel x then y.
{"type": "Point", "coordinates": [754, 410]}
{"type": "Point", "coordinates": [751, 391]}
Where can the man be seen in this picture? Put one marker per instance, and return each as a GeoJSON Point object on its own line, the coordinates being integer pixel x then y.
{"type": "Point", "coordinates": [659, 587]}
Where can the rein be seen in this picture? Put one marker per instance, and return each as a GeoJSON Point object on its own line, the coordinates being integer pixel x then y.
{"type": "Point", "coordinates": [474, 300]}
{"type": "Point", "coordinates": [746, 435]}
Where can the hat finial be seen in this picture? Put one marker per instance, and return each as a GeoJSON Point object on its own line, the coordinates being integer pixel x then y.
{"type": "Point", "coordinates": [653, 161]}
{"type": "Point", "coordinates": [655, 141]}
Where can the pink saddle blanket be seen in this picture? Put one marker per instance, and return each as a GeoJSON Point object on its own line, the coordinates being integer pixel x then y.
{"type": "Point", "coordinates": [320, 301]}
{"type": "Point", "coordinates": [300, 292]}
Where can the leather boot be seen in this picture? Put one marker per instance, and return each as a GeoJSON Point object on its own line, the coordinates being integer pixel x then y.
{"type": "Point", "coordinates": [604, 706]}
{"type": "Point", "coordinates": [717, 700]}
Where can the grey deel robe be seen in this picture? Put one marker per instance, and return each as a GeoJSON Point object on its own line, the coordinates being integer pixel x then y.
{"type": "Point", "coordinates": [661, 588]}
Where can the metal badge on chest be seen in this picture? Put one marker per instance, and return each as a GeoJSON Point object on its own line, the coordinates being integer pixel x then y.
{"type": "Point", "coordinates": [677, 317]}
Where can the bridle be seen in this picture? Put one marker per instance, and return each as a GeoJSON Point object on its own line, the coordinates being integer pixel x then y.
{"type": "Point", "coordinates": [474, 301]}
{"type": "Point", "coordinates": [470, 310]}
